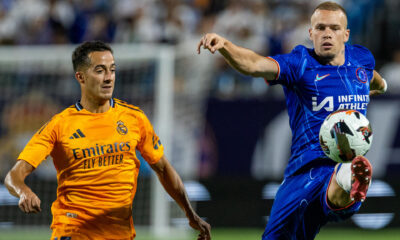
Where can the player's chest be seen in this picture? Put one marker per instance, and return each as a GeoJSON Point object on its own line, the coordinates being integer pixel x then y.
{"type": "Point", "coordinates": [99, 135]}
{"type": "Point", "coordinates": [335, 87]}
{"type": "Point", "coordinates": [335, 80]}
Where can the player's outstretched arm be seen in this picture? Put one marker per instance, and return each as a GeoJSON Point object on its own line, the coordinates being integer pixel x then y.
{"type": "Point", "coordinates": [378, 85]}
{"type": "Point", "coordinates": [14, 181]}
{"type": "Point", "coordinates": [172, 183]}
{"type": "Point", "coordinates": [241, 59]}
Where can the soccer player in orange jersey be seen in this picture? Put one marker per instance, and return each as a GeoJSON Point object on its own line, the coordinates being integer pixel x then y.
{"type": "Point", "coordinates": [93, 146]}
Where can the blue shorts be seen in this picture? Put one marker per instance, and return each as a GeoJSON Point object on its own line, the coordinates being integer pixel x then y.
{"type": "Point", "coordinates": [300, 207]}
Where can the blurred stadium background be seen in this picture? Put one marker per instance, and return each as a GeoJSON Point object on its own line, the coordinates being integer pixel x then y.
{"type": "Point", "coordinates": [225, 133]}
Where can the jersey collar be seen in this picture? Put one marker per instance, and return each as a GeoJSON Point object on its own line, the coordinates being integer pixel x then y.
{"type": "Point", "coordinates": [79, 106]}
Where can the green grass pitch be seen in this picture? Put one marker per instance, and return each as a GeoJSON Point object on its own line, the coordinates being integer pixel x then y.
{"type": "Point", "coordinates": [220, 234]}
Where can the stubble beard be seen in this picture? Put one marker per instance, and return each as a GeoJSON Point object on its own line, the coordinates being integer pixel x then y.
{"type": "Point", "coordinates": [326, 58]}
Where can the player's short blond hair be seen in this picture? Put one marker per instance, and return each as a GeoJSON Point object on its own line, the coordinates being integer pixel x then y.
{"type": "Point", "coordinates": [330, 6]}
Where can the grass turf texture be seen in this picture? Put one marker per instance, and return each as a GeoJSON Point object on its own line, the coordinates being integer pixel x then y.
{"type": "Point", "coordinates": [220, 234]}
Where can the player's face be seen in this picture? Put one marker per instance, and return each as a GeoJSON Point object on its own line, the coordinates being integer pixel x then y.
{"type": "Point", "coordinates": [329, 32]}
{"type": "Point", "coordinates": [99, 77]}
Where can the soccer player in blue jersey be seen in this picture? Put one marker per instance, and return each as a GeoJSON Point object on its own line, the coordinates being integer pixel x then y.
{"type": "Point", "coordinates": [331, 76]}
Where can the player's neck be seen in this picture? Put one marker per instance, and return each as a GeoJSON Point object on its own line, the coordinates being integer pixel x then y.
{"type": "Point", "coordinates": [95, 106]}
{"type": "Point", "coordinates": [336, 60]}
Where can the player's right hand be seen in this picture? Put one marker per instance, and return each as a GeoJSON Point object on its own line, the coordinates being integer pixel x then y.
{"type": "Point", "coordinates": [199, 224]}
{"type": "Point", "coordinates": [212, 42]}
{"type": "Point", "coordinates": [29, 202]}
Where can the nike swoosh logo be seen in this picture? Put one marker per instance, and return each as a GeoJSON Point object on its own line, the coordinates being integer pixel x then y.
{"type": "Point", "coordinates": [318, 78]}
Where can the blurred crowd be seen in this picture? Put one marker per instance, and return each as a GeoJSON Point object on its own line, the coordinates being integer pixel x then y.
{"type": "Point", "coordinates": [266, 26]}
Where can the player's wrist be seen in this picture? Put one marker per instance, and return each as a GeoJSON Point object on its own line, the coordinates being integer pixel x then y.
{"type": "Point", "coordinates": [191, 215]}
{"type": "Point", "coordinates": [381, 90]}
{"type": "Point", "coordinates": [24, 192]}
{"type": "Point", "coordinates": [384, 87]}
{"type": "Point", "coordinates": [225, 46]}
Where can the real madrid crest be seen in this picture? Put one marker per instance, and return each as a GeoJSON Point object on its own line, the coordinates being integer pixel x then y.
{"type": "Point", "coordinates": [121, 128]}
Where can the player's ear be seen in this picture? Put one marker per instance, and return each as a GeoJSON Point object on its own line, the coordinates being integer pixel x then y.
{"type": "Point", "coordinates": [310, 33]}
{"type": "Point", "coordinates": [80, 77]}
{"type": "Point", "coordinates": [346, 35]}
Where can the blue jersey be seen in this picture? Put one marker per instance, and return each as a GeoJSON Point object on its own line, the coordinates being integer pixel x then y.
{"type": "Point", "coordinates": [314, 90]}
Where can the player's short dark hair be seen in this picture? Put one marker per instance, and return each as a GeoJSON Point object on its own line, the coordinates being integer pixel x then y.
{"type": "Point", "coordinates": [330, 6]}
{"type": "Point", "coordinates": [80, 56]}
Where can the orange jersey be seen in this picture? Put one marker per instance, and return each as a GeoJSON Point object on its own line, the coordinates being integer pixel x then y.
{"type": "Point", "coordinates": [97, 167]}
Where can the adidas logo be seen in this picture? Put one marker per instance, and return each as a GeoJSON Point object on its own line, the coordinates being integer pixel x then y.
{"type": "Point", "coordinates": [77, 134]}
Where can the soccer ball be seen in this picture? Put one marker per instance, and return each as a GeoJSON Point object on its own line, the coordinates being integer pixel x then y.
{"type": "Point", "coordinates": [345, 134]}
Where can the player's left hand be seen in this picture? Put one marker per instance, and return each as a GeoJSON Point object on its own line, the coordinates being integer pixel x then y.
{"type": "Point", "coordinates": [199, 224]}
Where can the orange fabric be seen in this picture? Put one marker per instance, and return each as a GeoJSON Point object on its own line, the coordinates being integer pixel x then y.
{"type": "Point", "coordinates": [80, 235]}
{"type": "Point", "coordinates": [97, 168]}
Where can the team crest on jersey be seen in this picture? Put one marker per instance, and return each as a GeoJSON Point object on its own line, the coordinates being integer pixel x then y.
{"type": "Point", "coordinates": [121, 128]}
{"type": "Point", "coordinates": [361, 75]}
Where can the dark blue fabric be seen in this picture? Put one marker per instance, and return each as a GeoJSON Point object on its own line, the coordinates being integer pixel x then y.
{"type": "Point", "coordinates": [300, 208]}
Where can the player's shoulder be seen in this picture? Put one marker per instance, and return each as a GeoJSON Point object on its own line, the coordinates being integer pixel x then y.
{"type": "Point", "coordinates": [58, 118]}
{"type": "Point", "coordinates": [127, 107]}
{"type": "Point", "coordinates": [301, 53]}
{"type": "Point", "coordinates": [296, 56]}
{"type": "Point", "coordinates": [356, 48]}
{"type": "Point", "coordinates": [362, 55]}
{"type": "Point", "coordinates": [303, 57]}
{"type": "Point", "coordinates": [300, 49]}
{"type": "Point", "coordinates": [67, 111]}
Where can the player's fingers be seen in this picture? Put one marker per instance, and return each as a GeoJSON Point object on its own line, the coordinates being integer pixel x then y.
{"type": "Point", "coordinates": [203, 236]}
{"type": "Point", "coordinates": [205, 231]}
{"type": "Point", "coordinates": [213, 45]}
{"type": "Point", "coordinates": [34, 210]}
{"type": "Point", "coordinates": [29, 204]}
{"type": "Point", "coordinates": [28, 207]}
{"type": "Point", "coordinates": [36, 205]}
{"type": "Point", "coordinates": [33, 204]}
{"type": "Point", "coordinates": [205, 41]}
{"type": "Point", "coordinates": [23, 205]}
{"type": "Point", "coordinates": [208, 42]}
{"type": "Point", "coordinates": [200, 44]}
{"type": "Point", "coordinates": [208, 234]}
{"type": "Point", "coordinates": [218, 45]}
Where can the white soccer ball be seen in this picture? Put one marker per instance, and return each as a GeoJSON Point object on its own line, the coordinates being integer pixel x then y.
{"type": "Point", "coordinates": [345, 134]}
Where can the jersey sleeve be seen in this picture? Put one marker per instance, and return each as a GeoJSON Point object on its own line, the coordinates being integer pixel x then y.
{"type": "Point", "coordinates": [41, 144]}
{"type": "Point", "coordinates": [365, 59]}
{"type": "Point", "coordinates": [288, 65]}
{"type": "Point", "coordinates": [150, 145]}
